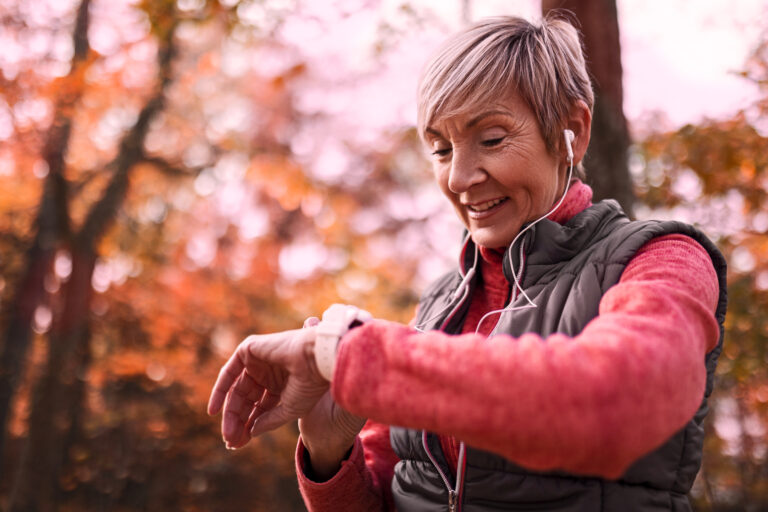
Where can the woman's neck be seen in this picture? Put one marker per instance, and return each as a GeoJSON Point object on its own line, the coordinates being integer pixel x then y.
{"type": "Point", "coordinates": [577, 199]}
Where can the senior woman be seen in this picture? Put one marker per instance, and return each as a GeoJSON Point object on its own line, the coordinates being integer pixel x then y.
{"type": "Point", "coordinates": [565, 365]}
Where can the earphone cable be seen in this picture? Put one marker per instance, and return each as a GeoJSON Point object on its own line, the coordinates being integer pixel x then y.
{"type": "Point", "coordinates": [463, 286]}
{"type": "Point", "coordinates": [515, 278]}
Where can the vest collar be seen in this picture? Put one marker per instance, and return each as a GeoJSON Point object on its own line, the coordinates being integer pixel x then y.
{"type": "Point", "coordinates": [549, 242]}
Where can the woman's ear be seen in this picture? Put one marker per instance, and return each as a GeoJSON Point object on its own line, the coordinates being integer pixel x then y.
{"type": "Point", "coordinates": [580, 123]}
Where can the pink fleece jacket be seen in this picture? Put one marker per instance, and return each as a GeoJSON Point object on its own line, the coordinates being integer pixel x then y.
{"type": "Point", "coordinates": [589, 404]}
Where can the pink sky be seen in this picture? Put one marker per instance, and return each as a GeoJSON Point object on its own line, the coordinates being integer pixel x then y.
{"type": "Point", "coordinates": [678, 56]}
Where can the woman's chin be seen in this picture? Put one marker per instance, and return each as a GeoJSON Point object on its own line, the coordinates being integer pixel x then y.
{"type": "Point", "coordinates": [492, 238]}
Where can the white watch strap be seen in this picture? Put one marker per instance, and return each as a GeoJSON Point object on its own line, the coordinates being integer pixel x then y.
{"type": "Point", "coordinates": [335, 323]}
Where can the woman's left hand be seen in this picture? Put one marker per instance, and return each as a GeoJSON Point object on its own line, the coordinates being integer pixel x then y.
{"type": "Point", "coordinates": [270, 380]}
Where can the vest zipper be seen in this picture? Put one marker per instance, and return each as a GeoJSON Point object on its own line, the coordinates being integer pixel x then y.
{"type": "Point", "coordinates": [453, 492]}
{"type": "Point", "coordinates": [451, 500]}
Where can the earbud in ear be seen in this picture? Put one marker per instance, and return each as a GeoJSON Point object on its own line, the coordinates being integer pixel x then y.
{"type": "Point", "coordinates": [569, 136]}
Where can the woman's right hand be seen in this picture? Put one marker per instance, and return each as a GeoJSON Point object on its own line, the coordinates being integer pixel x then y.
{"type": "Point", "coordinates": [328, 432]}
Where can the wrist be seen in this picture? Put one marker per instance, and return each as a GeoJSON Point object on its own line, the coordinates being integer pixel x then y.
{"type": "Point", "coordinates": [322, 462]}
{"type": "Point", "coordinates": [333, 443]}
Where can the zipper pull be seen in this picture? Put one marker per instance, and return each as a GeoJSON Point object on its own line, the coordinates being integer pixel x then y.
{"type": "Point", "coordinates": [452, 500]}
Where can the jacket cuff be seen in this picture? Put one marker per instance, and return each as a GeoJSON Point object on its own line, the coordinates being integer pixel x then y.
{"type": "Point", "coordinates": [328, 491]}
{"type": "Point", "coordinates": [368, 329]}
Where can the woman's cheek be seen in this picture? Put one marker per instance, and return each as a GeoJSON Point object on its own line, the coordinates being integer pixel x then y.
{"type": "Point", "coordinates": [441, 177]}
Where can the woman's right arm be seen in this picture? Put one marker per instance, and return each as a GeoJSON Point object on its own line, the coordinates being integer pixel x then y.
{"type": "Point", "coordinates": [362, 483]}
{"type": "Point", "coordinates": [589, 404]}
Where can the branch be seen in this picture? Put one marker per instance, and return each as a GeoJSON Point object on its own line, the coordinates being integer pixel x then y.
{"type": "Point", "coordinates": [171, 169]}
{"type": "Point", "coordinates": [81, 32]}
{"type": "Point", "coordinates": [131, 152]}
{"type": "Point", "coordinates": [75, 187]}
{"type": "Point", "coordinates": [14, 241]}
{"type": "Point", "coordinates": [53, 220]}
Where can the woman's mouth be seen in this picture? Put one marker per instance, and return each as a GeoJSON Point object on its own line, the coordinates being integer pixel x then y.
{"type": "Point", "coordinates": [486, 208]}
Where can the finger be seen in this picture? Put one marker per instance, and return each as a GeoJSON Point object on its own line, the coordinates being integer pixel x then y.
{"type": "Point", "coordinates": [233, 430]}
{"type": "Point", "coordinates": [227, 375]}
{"type": "Point", "coordinates": [244, 393]}
{"type": "Point", "coordinates": [267, 402]}
{"type": "Point", "coordinates": [295, 400]}
{"type": "Point", "coordinates": [237, 408]}
{"type": "Point", "coordinates": [233, 425]}
{"type": "Point", "coordinates": [261, 347]}
{"type": "Point", "coordinates": [271, 420]}
{"type": "Point", "coordinates": [311, 322]}
{"type": "Point", "coordinates": [271, 348]}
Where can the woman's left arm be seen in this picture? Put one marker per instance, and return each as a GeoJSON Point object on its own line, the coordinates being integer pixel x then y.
{"type": "Point", "coordinates": [591, 404]}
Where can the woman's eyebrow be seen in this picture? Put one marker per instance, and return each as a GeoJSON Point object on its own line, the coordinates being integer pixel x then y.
{"type": "Point", "coordinates": [482, 116]}
{"type": "Point", "coordinates": [432, 131]}
{"type": "Point", "coordinates": [472, 121]}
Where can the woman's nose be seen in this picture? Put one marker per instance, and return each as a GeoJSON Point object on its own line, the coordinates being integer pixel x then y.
{"type": "Point", "coordinates": [466, 171]}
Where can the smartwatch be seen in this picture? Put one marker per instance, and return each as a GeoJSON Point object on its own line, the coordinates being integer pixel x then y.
{"type": "Point", "coordinates": [337, 321]}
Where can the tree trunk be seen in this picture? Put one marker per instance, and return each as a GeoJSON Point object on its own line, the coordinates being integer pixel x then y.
{"type": "Point", "coordinates": [58, 390]}
{"type": "Point", "coordinates": [606, 160]}
{"type": "Point", "coordinates": [52, 225]}
{"type": "Point", "coordinates": [466, 12]}
{"type": "Point", "coordinates": [57, 397]}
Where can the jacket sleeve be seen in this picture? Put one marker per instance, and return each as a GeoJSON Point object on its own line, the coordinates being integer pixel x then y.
{"type": "Point", "coordinates": [364, 481]}
{"type": "Point", "coordinates": [591, 404]}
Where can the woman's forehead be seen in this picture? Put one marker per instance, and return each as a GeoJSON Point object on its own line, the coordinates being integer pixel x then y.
{"type": "Point", "coordinates": [471, 110]}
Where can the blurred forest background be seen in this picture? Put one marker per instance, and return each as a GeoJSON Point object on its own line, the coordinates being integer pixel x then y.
{"type": "Point", "coordinates": [175, 175]}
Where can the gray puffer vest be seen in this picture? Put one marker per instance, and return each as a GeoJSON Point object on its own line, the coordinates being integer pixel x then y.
{"type": "Point", "coordinates": [568, 268]}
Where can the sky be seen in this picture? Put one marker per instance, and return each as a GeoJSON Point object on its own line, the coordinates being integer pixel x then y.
{"type": "Point", "coordinates": [679, 56]}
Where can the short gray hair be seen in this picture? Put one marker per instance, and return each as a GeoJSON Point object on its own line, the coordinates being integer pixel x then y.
{"type": "Point", "coordinates": [543, 62]}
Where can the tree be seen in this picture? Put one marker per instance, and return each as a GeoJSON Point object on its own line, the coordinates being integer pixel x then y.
{"type": "Point", "coordinates": [57, 398]}
{"type": "Point", "coordinates": [108, 414]}
{"type": "Point", "coordinates": [606, 160]}
{"type": "Point", "coordinates": [713, 174]}
{"type": "Point", "coordinates": [52, 227]}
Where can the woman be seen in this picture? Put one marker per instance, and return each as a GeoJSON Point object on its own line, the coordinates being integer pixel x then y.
{"type": "Point", "coordinates": [564, 366]}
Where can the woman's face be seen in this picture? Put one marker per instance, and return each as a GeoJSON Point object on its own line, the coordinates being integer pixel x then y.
{"type": "Point", "coordinates": [494, 167]}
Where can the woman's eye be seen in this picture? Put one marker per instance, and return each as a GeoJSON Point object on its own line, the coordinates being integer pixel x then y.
{"type": "Point", "coordinates": [492, 142]}
{"type": "Point", "coordinates": [441, 151]}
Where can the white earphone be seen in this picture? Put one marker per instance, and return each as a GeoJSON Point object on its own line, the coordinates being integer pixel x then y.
{"type": "Point", "coordinates": [569, 137]}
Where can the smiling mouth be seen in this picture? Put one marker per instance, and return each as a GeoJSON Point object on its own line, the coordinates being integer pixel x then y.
{"type": "Point", "coordinates": [484, 207]}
